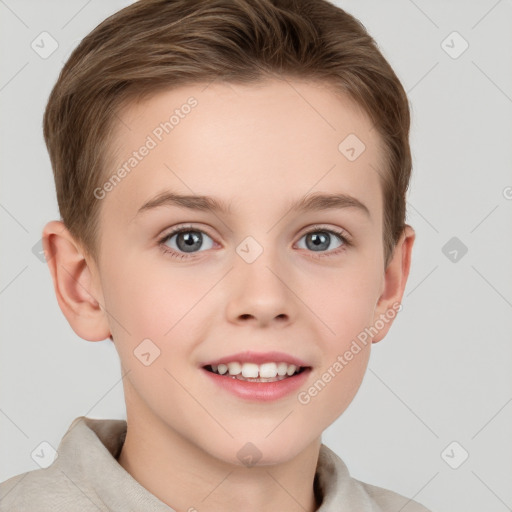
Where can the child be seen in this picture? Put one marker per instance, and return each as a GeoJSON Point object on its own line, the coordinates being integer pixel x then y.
{"type": "Point", "coordinates": [231, 177]}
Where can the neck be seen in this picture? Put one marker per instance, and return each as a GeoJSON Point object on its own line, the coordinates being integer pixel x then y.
{"type": "Point", "coordinates": [186, 478]}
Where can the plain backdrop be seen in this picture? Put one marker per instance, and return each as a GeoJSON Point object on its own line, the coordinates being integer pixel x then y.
{"type": "Point", "coordinates": [439, 388]}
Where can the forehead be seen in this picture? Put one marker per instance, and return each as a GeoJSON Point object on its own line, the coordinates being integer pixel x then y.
{"type": "Point", "coordinates": [252, 145]}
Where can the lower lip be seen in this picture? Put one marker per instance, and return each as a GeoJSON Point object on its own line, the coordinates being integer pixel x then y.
{"type": "Point", "coordinates": [260, 391]}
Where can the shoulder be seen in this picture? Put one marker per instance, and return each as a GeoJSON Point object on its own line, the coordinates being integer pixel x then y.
{"type": "Point", "coordinates": [68, 483]}
{"type": "Point", "coordinates": [339, 489]}
{"type": "Point", "coordinates": [389, 500]}
{"type": "Point", "coordinates": [43, 490]}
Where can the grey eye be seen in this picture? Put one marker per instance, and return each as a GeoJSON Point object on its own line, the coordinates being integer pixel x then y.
{"type": "Point", "coordinates": [188, 241]}
{"type": "Point", "coordinates": [320, 240]}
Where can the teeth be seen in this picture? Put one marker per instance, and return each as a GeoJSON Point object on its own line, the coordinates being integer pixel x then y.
{"type": "Point", "coordinates": [269, 370]}
{"type": "Point", "coordinates": [281, 369]}
{"type": "Point", "coordinates": [291, 369]}
{"type": "Point", "coordinates": [250, 370]}
{"type": "Point", "coordinates": [234, 368]}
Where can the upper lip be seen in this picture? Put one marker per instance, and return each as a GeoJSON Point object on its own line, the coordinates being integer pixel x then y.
{"type": "Point", "coordinates": [258, 358]}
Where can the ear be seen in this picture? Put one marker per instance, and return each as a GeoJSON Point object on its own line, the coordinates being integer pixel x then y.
{"type": "Point", "coordinates": [395, 279]}
{"type": "Point", "coordinates": [76, 282]}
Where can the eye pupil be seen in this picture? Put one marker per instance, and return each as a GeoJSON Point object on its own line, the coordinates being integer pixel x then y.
{"type": "Point", "coordinates": [318, 240]}
{"type": "Point", "coordinates": [187, 241]}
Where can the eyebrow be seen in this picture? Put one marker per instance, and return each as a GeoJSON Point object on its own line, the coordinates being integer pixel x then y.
{"type": "Point", "coordinates": [312, 202]}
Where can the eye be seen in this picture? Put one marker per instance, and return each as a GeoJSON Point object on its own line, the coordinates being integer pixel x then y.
{"type": "Point", "coordinates": [320, 240]}
{"type": "Point", "coordinates": [183, 240]}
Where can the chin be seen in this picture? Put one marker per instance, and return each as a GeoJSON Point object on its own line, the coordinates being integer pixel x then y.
{"type": "Point", "coordinates": [260, 452]}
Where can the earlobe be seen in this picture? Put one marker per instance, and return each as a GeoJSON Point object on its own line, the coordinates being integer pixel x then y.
{"type": "Point", "coordinates": [76, 286]}
{"type": "Point", "coordinates": [395, 280]}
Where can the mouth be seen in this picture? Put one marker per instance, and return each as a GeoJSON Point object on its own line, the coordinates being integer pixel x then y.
{"type": "Point", "coordinates": [256, 376]}
{"type": "Point", "coordinates": [252, 372]}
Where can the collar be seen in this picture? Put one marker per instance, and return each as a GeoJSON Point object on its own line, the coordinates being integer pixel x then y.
{"type": "Point", "coordinates": [88, 453]}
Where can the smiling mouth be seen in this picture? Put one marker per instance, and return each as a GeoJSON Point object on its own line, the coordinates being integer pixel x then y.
{"type": "Point", "coordinates": [250, 372]}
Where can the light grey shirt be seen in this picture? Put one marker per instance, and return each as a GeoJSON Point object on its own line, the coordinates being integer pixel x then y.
{"type": "Point", "coordinates": [85, 476]}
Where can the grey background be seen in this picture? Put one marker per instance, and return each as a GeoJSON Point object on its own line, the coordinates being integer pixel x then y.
{"type": "Point", "coordinates": [443, 372]}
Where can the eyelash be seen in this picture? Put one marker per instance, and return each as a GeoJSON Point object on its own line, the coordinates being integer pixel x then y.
{"type": "Point", "coordinates": [183, 229]}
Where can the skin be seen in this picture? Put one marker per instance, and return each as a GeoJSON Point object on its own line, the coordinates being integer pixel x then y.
{"type": "Point", "coordinates": [257, 147]}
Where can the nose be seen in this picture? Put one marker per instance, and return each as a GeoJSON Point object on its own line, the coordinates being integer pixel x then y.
{"type": "Point", "coordinates": [261, 293]}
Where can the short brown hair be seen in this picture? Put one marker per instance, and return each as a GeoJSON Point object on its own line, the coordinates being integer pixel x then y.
{"type": "Point", "coordinates": [153, 45]}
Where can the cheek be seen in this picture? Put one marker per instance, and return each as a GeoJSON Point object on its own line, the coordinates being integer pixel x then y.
{"type": "Point", "coordinates": [345, 306]}
{"type": "Point", "coordinates": [335, 386]}
{"type": "Point", "coordinates": [147, 297]}
{"type": "Point", "coordinates": [344, 301]}
{"type": "Point", "coordinates": [168, 308]}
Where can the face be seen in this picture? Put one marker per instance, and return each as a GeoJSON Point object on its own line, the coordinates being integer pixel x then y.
{"type": "Point", "coordinates": [259, 275]}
